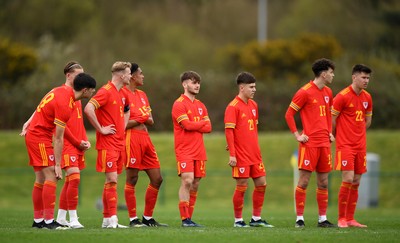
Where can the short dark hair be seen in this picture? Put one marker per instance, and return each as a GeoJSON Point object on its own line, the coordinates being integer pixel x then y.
{"type": "Point", "coordinates": [321, 65]}
{"type": "Point", "coordinates": [134, 67]}
{"type": "Point", "coordinates": [71, 66]}
{"type": "Point", "coordinates": [245, 78]}
{"type": "Point", "coordinates": [192, 75]}
{"type": "Point", "coordinates": [361, 68]}
{"type": "Point", "coordinates": [84, 80]}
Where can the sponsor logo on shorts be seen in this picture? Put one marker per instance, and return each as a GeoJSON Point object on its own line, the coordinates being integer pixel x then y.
{"type": "Point", "coordinates": [242, 170]}
{"type": "Point", "coordinates": [73, 159]}
{"type": "Point", "coordinates": [344, 162]}
{"type": "Point", "coordinates": [109, 164]}
{"type": "Point", "coordinates": [306, 162]}
{"type": "Point", "coordinates": [183, 165]}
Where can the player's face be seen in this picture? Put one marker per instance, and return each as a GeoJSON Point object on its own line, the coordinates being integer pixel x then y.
{"type": "Point", "coordinates": [361, 80]}
{"type": "Point", "coordinates": [192, 86]}
{"type": "Point", "coordinates": [138, 77]}
{"type": "Point", "coordinates": [248, 90]}
{"type": "Point", "coordinates": [71, 76]}
{"type": "Point", "coordinates": [328, 76]}
{"type": "Point", "coordinates": [126, 76]}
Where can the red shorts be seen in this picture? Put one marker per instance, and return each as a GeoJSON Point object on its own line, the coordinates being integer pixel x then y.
{"type": "Point", "coordinates": [73, 160]}
{"type": "Point", "coordinates": [253, 171]}
{"type": "Point", "coordinates": [346, 159]}
{"type": "Point", "coordinates": [110, 161]}
{"type": "Point", "coordinates": [317, 159]}
{"type": "Point", "coordinates": [198, 167]}
{"type": "Point", "coordinates": [40, 154]}
{"type": "Point", "coordinates": [141, 153]}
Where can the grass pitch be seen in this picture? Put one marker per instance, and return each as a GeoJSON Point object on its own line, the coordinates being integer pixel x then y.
{"type": "Point", "coordinates": [214, 206]}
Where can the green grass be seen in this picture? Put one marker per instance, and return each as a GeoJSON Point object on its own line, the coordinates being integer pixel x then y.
{"type": "Point", "coordinates": [214, 207]}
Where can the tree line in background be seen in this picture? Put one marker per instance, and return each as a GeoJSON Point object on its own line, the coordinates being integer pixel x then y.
{"type": "Point", "coordinates": [215, 38]}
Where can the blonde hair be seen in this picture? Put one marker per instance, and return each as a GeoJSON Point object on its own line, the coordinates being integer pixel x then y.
{"type": "Point", "coordinates": [120, 66]}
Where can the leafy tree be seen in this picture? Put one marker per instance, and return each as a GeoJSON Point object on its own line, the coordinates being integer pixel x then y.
{"type": "Point", "coordinates": [16, 61]}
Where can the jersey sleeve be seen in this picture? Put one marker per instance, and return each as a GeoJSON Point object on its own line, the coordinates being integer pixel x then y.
{"type": "Point", "coordinates": [179, 112]}
{"type": "Point", "coordinates": [100, 98]}
{"type": "Point", "coordinates": [63, 109]}
{"type": "Point", "coordinates": [337, 105]}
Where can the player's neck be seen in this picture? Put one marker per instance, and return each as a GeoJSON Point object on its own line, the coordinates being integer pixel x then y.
{"type": "Point", "coordinates": [319, 82]}
{"type": "Point", "coordinates": [242, 97]}
{"type": "Point", "coordinates": [356, 89]}
{"type": "Point", "coordinates": [191, 96]}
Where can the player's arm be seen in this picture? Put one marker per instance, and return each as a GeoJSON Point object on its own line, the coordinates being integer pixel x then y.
{"type": "Point", "coordinates": [192, 125]}
{"type": "Point", "coordinates": [26, 125]}
{"type": "Point", "coordinates": [368, 121]}
{"type": "Point", "coordinates": [206, 128]}
{"type": "Point", "coordinates": [80, 144]}
{"type": "Point", "coordinates": [126, 115]}
{"type": "Point", "coordinates": [150, 120]}
{"type": "Point", "coordinates": [334, 118]}
{"type": "Point", "coordinates": [58, 144]}
{"type": "Point", "coordinates": [289, 117]}
{"type": "Point", "coordinates": [230, 140]}
{"type": "Point", "coordinates": [91, 115]}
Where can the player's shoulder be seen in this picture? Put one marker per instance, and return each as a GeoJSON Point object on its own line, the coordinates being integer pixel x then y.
{"type": "Point", "coordinates": [306, 87]}
{"type": "Point", "coordinates": [252, 102]}
{"type": "Point", "coordinates": [140, 91]}
{"type": "Point", "coordinates": [107, 86]}
{"type": "Point", "coordinates": [198, 102]}
{"type": "Point", "coordinates": [180, 99]}
{"type": "Point", "coordinates": [233, 103]}
{"type": "Point", "coordinates": [366, 93]}
{"type": "Point", "coordinates": [345, 91]}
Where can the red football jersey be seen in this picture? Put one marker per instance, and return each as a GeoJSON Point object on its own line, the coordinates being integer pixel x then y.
{"type": "Point", "coordinates": [243, 119]}
{"type": "Point", "coordinates": [351, 110]}
{"type": "Point", "coordinates": [109, 104]}
{"type": "Point", "coordinates": [189, 145]}
{"type": "Point", "coordinates": [314, 105]}
{"type": "Point", "coordinates": [77, 128]}
{"type": "Point", "coordinates": [138, 103]}
{"type": "Point", "coordinates": [55, 109]}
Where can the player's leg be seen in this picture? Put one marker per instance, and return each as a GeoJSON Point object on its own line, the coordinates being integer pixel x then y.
{"type": "Point", "coordinates": [187, 179]}
{"type": "Point", "coordinates": [344, 161]}
{"type": "Point", "coordinates": [63, 204]}
{"type": "Point", "coordinates": [360, 167]}
{"type": "Point", "coordinates": [343, 197]}
{"type": "Point", "coordinates": [258, 174]}
{"type": "Point", "coordinates": [37, 199]}
{"type": "Point", "coordinates": [241, 176]}
{"type": "Point", "coordinates": [323, 167]}
{"type": "Point", "coordinates": [199, 172]}
{"type": "Point", "coordinates": [151, 197]}
{"type": "Point", "coordinates": [132, 176]}
{"type": "Point", "coordinates": [74, 176]}
{"type": "Point", "coordinates": [300, 196]}
{"type": "Point", "coordinates": [49, 197]}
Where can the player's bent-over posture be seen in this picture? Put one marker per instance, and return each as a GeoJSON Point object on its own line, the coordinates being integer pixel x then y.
{"type": "Point", "coordinates": [44, 140]}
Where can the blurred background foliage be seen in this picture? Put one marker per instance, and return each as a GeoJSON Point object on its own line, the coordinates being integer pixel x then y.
{"type": "Point", "coordinates": [218, 39]}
